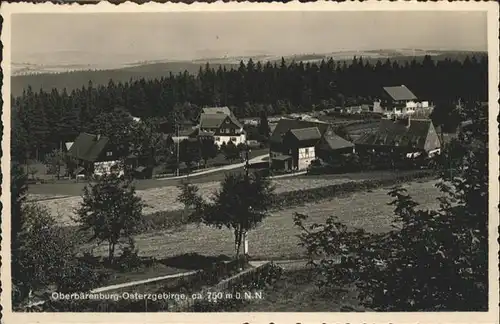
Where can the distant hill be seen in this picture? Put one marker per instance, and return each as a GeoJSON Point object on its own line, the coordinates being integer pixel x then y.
{"type": "Point", "coordinates": [40, 79]}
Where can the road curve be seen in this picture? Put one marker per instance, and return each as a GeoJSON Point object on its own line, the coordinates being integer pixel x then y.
{"type": "Point", "coordinates": [256, 159]}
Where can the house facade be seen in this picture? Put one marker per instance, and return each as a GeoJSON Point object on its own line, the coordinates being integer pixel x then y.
{"type": "Point", "coordinates": [398, 100]}
{"type": "Point", "coordinates": [294, 144]}
{"type": "Point", "coordinates": [222, 125]}
{"type": "Point", "coordinates": [95, 155]}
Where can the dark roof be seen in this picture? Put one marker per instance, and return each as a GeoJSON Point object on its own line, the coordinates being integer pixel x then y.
{"type": "Point", "coordinates": [400, 93]}
{"type": "Point", "coordinates": [200, 133]}
{"type": "Point", "coordinates": [79, 170]}
{"type": "Point", "coordinates": [212, 120]}
{"type": "Point", "coordinates": [213, 117]}
{"type": "Point", "coordinates": [186, 132]}
{"type": "Point", "coordinates": [215, 120]}
{"type": "Point", "coordinates": [306, 134]}
{"type": "Point", "coordinates": [217, 110]}
{"type": "Point", "coordinates": [334, 142]}
{"type": "Point", "coordinates": [285, 125]}
{"type": "Point", "coordinates": [396, 133]}
{"type": "Point", "coordinates": [88, 147]}
{"type": "Point", "coordinates": [282, 157]}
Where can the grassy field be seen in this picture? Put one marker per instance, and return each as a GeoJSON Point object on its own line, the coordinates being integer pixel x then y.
{"type": "Point", "coordinates": [276, 237]}
{"type": "Point", "coordinates": [165, 198]}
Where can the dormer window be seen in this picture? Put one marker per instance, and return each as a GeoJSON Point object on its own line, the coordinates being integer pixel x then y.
{"type": "Point", "coordinates": [109, 153]}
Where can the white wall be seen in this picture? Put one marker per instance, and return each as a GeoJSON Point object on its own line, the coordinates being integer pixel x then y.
{"type": "Point", "coordinates": [101, 168]}
{"type": "Point", "coordinates": [236, 139]}
{"type": "Point", "coordinates": [306, 156]}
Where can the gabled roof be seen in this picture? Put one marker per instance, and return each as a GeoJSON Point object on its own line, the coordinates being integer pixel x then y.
{"type": "Point", "coordinates": [216, 110]}
{"type": "Point", "coordinates": [306, 134]}
{"type": "Point", "coordinates": [396, 133]}
{"type": "Point", "coordinates": [334, 142]}
{"type": "Point", "coordinates": [285, 125]}
{"type": "Point", "coordinates": [401, 92]}
{"type": "Point", "coordinates": [88, 147]}
{"type": "Point", "coordinates": [215, 120]}
{"type": "Point", "coordinates": [212, 120]}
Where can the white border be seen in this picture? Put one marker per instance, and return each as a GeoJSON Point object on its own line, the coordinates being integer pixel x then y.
{"type": "Point", "coordinates": [493, 51]}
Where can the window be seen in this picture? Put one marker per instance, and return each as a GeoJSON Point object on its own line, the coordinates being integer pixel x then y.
{"type": "Point", "coordinates": [233, 139]}
{"type": "Point", "coordinates": [217, 138]}
{"type": "Point", "coordinates": [109, 153]}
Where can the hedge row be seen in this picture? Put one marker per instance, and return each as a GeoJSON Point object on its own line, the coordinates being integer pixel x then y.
{"type": "Point", "coordinates": [172, 219]}
{"type": "Point", "coordinates": [298, 197]}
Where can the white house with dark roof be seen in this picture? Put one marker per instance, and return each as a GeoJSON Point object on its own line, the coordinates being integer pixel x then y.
{"type": "Point", "coordinates": [294, 144]}
{"type": "Point", "coordinates": [399, 100]}
{"type": "Point", "coordinates": [221, 124]}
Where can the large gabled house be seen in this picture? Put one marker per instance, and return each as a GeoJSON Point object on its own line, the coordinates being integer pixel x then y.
{"type": "Point", "coordinates": [399, 100]}
{"type": "Point", "coordinates": [294, 144]}
{"type": "Point", "coordinates": [221, 124]}
{"type": "Point", "coordinates": [94, 155]}
{"type": "Point", "coordinates": [405, 135]}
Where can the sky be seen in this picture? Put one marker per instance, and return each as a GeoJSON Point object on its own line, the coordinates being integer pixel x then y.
{"type": "Point", "coordinates": [131, 37]}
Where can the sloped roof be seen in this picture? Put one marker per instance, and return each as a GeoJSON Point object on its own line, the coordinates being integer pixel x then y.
{"type": "Point", "coordinates": [306, 134]}
{"type": "Point", "coordinates": [334, 142]}
{"type": "Point", "coordinates": [215, 120]}
{"type": "Point", "coordinates": [217, 110]}
{"type": "Point", "coordinates": [396, 133]}
{"type": "Point", "coordinates": [282, 157]}
{"type": "Point", "coordinates": [88, 147]}
{"type": "Point", "coordinates": [285, 125]}
{"type": "Point", "coordinates": [186, 132]}
{"type": "Point", "coordinates": [400, 93]}
{"type": "Point", "coordinates": [200, 133]}
{"type": "Point", "coordinates": [212, 120]}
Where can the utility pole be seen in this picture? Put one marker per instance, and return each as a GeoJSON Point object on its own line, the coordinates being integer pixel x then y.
{"type": "Point", "coordinates": [247, 178]}
{"type": "Point", "coordinates": [178, 143]}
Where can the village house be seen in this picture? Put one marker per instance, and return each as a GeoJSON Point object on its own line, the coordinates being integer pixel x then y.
{"type": "Point", "coordinates": [406, 135]}
{"type": "Point", "coordinates": [222, 125]}
{"type": "Point", "coordinates": [94, 155]}
{"type": "Point", "coordinates": [294, 144]}
{"type": "Point", "coordinates": [399, 100]}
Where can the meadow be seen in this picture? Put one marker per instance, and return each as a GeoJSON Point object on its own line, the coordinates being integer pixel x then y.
{"type": "Point", "coordinates": [276, 238]}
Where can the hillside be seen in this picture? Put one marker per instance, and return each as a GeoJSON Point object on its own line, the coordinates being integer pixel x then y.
{"type": "Point", "coordinates": [49, 77]}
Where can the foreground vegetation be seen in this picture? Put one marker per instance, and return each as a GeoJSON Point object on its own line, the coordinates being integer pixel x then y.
{"type": "Point", "coordinates": [434, 259]}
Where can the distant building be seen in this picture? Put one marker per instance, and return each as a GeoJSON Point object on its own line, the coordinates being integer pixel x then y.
{"type": "Point", "coordinates": [406, 135]}
{"type": "Point", "coordinates": [95, 155]}
{"type": "Point", "coordinates": [294, 144]}
{"type": "Point", "coordinates": [399, 100]}
{"type": "Point", "coordinates": [222, 125]}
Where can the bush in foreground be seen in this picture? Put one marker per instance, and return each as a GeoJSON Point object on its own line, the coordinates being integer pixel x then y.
{"type": "Point", "coordinates": [434, 260]}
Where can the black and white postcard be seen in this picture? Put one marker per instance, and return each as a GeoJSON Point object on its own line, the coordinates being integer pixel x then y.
{"type": "Point", "coordinates": [250, 163]}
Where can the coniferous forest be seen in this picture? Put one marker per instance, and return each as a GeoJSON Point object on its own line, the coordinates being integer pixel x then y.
{"type": "Point", "coordinates": [45, 119]}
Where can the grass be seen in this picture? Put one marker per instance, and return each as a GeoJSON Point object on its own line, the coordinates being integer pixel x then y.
{"type": "Point", "coordinates": [276, 237]}
{"type": "Point", "coordinates": [165, 198]}
{"type": "Point", "coordinates": [294, 292]}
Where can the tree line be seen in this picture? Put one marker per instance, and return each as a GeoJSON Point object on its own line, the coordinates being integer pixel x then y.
{"type": "Point", "coordinates": [49, 118]}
